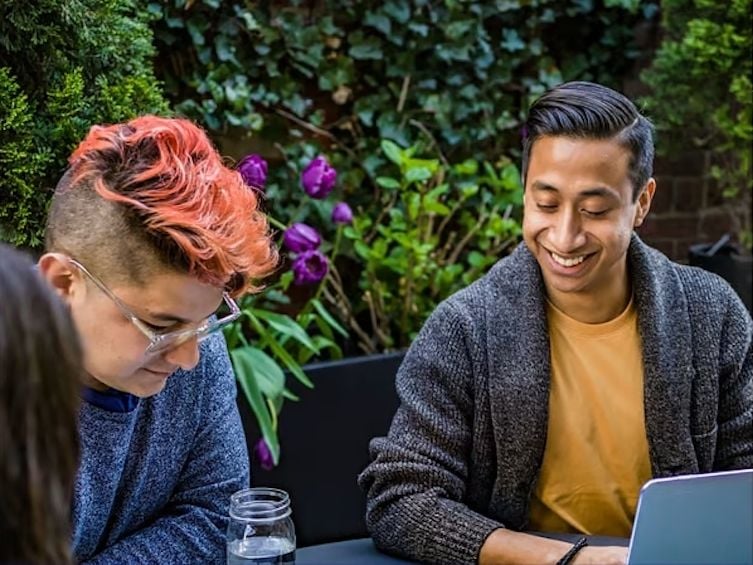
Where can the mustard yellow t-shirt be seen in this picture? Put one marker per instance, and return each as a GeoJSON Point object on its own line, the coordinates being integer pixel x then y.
{"type": "Point", "coordinates": [596, 456]}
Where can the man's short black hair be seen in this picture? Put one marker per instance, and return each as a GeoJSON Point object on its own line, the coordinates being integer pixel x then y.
{"type": "Point", "coordinates": [592, 111]}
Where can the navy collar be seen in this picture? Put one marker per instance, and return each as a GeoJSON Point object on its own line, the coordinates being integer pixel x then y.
{"type": "Point", "coordinates": [111, 400]}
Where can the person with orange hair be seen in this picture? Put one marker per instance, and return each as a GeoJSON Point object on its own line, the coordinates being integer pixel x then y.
{"type": "Point", "coordinates": [150, 239]}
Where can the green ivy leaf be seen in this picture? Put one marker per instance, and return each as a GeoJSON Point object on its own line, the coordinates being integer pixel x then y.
{"type": "Point", "coordinates": [364, 48]}
{"type": "Point", "coordinates": [512, 41]}
{"type": "Point", "coordinates": [378, 21]}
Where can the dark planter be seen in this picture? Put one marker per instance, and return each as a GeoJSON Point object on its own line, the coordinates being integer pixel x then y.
{"type": "Point", "coordinates": [729, 263]}
{"type": "Point", "coordinates": [324, 442]}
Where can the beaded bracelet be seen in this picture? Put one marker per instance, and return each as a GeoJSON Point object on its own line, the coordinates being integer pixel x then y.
{"type": "Point", "coordinates": [568, 557]}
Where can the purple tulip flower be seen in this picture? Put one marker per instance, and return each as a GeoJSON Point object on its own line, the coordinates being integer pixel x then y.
{"type": "Point", "coordinates": [310, 267]}
{"type": "Point", "coordinates": [253, 169]}
{"type": "Point", "coordinates": [300, 237]}
{"type": "Point", "coordinates": [318, 178]}
{"type": "Point", "coordinates": [342, 214]}
{"type": "Point", "coordinates": [264, 455]}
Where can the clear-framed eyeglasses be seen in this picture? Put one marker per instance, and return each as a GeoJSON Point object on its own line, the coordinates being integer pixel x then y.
{"type": "Point", "coordinates": [162, 341]}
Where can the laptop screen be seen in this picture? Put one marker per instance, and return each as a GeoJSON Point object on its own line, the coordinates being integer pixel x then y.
{"type": "Point", "coordinates": [695, 519]}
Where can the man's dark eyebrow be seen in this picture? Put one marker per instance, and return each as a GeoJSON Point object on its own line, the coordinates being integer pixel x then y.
{"type": "Point", "coordinates": [595, 191]}
{"type": "Point", "coordinates": [598, 191]}
{"type": "Point", "coordinates": [539, 185]}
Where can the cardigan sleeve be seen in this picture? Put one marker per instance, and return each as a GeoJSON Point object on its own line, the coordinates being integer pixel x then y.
{"type": "Point", "coordinates": [191, 528]}
{"type": "Point", "coordinates": [416, 482]}
{"type": "Point", "coordinates": [735, 420]}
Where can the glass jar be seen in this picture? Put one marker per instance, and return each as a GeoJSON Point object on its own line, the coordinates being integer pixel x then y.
{"type": "Point", "coordinates": [261, 530]}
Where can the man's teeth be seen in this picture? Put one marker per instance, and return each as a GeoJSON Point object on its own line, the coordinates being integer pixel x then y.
{"type": "Point", "coordinates": [568, 262]}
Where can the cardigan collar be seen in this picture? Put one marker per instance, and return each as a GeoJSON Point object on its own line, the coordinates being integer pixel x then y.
{"type": "Point", "coordinates": [520, 371]}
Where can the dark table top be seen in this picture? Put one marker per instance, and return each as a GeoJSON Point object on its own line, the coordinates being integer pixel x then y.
{"type": "Point", "coordinates": [362, 551]}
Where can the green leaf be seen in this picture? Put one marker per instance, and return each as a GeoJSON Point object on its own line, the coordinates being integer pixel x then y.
{"type": "Point", "coordinates": [326, 343]}
{"type": "Point", "coordinates": [286, 394]}
{"type": "Point", "coordinates": [398, 11]}
{"type": "Point", "coordinates": [511, 177]}
{"type": "Point", "coordinates": [436, 207]}
{"type": "Point", "coordinates": [417, 174]}
{"type": "Point", "coordinates": [467, 167]}
{"type": "Point", "coordinates": [362, 249]}
{"type": "Point", "coordinates": [364, 48]}
{"type": "Point", "coordinates": [512, 41]}
{"type": "Point", "coordinates": [267, 373]}
{"type": "Point", "coordinates": [290, 363]}
{"type": "Point", "coordinates": [285, 279]}
{"type": "Point", "coordinates": [287, 326]}
{"type": "Point", "coordinates": [280, 352]}
{"type": "Point", "coordinates": [387, 182]}
{"type": "Point", "coordinates": [245, 376]}
{"type": "Point", "coordinates": [322, 311]}
{"type": "Point", "coordinates": [392, 151]}
{"type": "Point", "coordinates": [414, 203]}
{"type": "Point", "coordinates": [378, 21]}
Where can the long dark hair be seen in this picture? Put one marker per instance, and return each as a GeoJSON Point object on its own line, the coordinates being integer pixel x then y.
{"type": "Point", "coordinates": [40, 364]}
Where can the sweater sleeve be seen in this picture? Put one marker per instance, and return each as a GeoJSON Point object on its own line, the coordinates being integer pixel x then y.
{"type": "Point", "coordinates": [735, 433]}
{"type": "Point", "coordinates": [417, 480]}
{"type": "Point", "coordinates": [192, 526]}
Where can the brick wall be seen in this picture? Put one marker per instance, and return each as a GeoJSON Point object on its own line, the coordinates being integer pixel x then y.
{"type": "Point", "coordinates": [688, 207]}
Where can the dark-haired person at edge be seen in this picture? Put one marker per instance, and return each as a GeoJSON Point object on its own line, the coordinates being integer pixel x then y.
{"type": "Point", "coordinates": [543, 396]}
{"type": "Point", "coordinates": [40, 367]}
{"type": "Point", "coordinates": [149, 240]}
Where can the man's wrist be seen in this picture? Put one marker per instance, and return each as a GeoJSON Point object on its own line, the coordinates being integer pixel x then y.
{"type": "Point", "coordinates": [573, 551]}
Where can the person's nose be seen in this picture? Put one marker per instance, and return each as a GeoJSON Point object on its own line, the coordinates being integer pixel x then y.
{"type": "Point", "coordinates": [567, 235]}
{"type": "Point", "coordinates": [185, 355]}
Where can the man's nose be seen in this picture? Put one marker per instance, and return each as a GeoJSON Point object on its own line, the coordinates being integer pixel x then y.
{"type": "Point", "coordinates": [567, 235]}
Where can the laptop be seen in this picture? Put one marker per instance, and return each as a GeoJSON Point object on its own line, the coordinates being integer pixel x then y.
{"type": "Point", "coordinates": [695, 519]}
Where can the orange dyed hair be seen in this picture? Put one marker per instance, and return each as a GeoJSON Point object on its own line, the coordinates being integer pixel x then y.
{"type": "Point", "coordinates": [167, 181]}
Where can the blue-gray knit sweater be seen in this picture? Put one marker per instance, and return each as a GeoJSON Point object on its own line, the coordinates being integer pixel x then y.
{"type": "Point", "coordinates": [465, 447]}
{"type": "Point", "coordinates": [154, 483]}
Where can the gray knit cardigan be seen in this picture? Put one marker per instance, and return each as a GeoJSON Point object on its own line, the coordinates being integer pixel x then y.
{"type": "Point", "coordinates": [465, 447]}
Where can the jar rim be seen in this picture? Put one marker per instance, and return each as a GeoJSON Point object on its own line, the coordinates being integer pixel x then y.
{"type": "Point", "coordinates": [260, 504]}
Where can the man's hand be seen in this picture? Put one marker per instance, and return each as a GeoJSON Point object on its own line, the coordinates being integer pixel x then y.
{"type": "Point", "coordinates": [505, 547]}
{"type": "Point", "coordinates": [607, 555]}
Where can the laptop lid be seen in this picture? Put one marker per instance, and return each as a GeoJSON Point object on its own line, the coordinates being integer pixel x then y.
{"type": "Point", "coordinates": [695, 519]}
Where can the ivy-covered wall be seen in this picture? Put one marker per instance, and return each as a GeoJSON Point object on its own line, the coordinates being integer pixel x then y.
{"type": "Point", "coordinates": [343, 75]}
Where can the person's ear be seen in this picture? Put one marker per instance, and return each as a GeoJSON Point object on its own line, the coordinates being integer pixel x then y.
{"type": "Point", "coordinates": [60, 274]}
{"type": "Point", "coordinates": [644, 202]}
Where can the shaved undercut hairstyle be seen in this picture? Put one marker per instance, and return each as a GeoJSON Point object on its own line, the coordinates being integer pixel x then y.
{"type": "Point", "coordinates": [153, 194]}
{"type": "Point", "coordinates": [585, 110]}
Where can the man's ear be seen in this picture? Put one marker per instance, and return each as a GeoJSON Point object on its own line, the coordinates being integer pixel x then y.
{"type": "Point", "coordinates": [60, 274]}
{"type": "Point", "coordinates": [644, 202]}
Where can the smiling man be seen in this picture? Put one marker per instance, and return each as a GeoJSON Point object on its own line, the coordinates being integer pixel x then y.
{"type": "Point", "coordinates": [543, 396]}
{"type": "Point", "coordinates": [149, 240]}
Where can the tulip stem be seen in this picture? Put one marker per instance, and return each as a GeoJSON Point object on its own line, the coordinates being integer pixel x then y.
{"type": "Point", "coordinates": [323, 282]}
{"type": "Point", "coordinates": [276, 223]}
